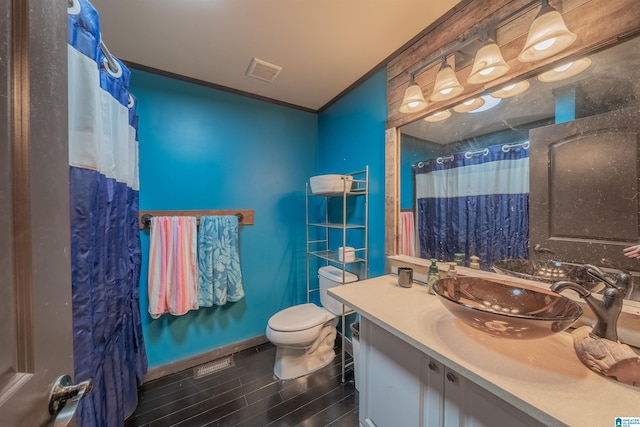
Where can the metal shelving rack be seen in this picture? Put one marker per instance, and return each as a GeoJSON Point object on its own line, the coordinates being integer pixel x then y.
{"type": "Point", "coordinates": [321, 247]}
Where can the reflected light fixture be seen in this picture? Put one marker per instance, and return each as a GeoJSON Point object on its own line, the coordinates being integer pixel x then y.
{"type": "Point", "coordinates": [413, 100]}
{"type": "Point", "coordinates": [470, 105]}
{"type": "Point", "coordinates": [436, 117]}
{"type": "Point", "coordinates": [447, 85]}
{"type": "Point", "coordinates": [547, 36]}
{"type": "Point", "coordinates": [489, 103]}
{"type": "Point", "coordinates": [488, 64]}
{"type": "Point", "coordinates": [565, 71]}
{"type": "Point", "coordinates": [511, 90]}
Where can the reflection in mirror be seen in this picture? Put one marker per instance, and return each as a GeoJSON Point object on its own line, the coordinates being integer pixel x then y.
{"type": "Point", "coordinates": [471, 177]}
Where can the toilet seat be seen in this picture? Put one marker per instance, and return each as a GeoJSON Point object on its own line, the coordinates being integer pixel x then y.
{"type": "Point", "coordinates": [299, 318]}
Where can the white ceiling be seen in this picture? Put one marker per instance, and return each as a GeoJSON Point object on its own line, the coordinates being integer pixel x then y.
{"type": "Point", "coordinates": [323, 46]}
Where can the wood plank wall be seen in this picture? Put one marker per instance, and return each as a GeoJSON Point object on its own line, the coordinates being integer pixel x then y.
{"type": "Point", "coordinates": [597, 24]}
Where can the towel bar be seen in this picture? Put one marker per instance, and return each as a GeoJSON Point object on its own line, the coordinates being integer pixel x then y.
{"type": "Point", "coordinates": [245, 216]}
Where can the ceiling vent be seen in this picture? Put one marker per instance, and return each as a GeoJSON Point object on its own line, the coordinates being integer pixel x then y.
{"type": "Point", "coordinates": [262, 70]}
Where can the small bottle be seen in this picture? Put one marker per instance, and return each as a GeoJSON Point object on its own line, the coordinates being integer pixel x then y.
{"type": "Point", "coordinates": [474, 262]}
{"type": "Point", "coordinates": [452, 273]}
{"type": "Point", "coordinates": [458, 257]}
{"type": "Point", "coordinates": [432, 276]}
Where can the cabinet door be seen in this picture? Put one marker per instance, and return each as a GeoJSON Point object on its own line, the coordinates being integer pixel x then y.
{"type": "Point", "coordinates": [584, 185]}
{"type": "Point", "coordinates": [433, 393]}
{"type": "Point", "coordinates": [467, 405]}
{"type": "Point", "coordinates": [391, 389]}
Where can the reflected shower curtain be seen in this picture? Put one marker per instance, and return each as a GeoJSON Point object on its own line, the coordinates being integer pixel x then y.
{"type": "Point", "coordinates": [476, 203]}
{"type": "Point", "coordinates": [105, 242]}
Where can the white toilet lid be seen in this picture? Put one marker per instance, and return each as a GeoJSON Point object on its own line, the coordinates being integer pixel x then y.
{"type": "Point", "coordinates": [299, 318]}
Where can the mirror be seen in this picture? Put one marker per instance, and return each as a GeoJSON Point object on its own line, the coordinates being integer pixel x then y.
{"type": "Point", "coordinates": [610, 83]}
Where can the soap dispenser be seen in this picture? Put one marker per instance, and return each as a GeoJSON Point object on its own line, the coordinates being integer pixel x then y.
{"type": "Point", "coordinates": [432, 276]}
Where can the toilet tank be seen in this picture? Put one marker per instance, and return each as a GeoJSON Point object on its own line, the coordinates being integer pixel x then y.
{"type": "Point", "coordinates": [329, 277]}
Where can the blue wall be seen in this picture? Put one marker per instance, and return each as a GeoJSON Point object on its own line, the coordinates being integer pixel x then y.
{"type": "Point", "coordinates": [351, 135]}
{"type": "Point", "coordinates": [202, 148]}
{"type": "Point", "coordinates": [413, 150]}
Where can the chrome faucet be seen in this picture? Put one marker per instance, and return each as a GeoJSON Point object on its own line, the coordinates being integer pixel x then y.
{"type": "Point", "coordinates": [608, 310]}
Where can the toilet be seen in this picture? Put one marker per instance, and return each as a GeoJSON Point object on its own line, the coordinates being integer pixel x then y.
{"type": "Point", "coordinates": [304, 335]}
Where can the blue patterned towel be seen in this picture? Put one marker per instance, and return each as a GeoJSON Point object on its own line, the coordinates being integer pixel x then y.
{"type": "Point", "coordinates": [219, 275]}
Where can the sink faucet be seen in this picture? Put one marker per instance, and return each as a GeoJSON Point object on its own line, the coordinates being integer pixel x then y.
{"type": "Point", "coordinates": [607, 263]}
{"type": "Point", "coordinates": [608, 310]}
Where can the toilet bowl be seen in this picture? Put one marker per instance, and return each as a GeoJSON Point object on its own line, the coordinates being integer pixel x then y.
{"type": "Point", "coordinates": [304, 335]}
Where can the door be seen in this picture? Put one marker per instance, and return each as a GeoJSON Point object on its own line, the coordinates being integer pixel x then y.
{"type": "Point", "coordinates": [35, 286]}
{"type": "Point", "coordinates": [432, 393]}
{"type": "Point", "coordinates": [468, 405]}
{"type": "Point", "coordinates": [391, 394]}
{"type": "Point", "coordinates": [584, 185]}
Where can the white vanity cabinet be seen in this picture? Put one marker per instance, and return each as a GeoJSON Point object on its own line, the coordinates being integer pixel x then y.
{"type": "Point", "coordinates": [403, 387]}
{"type": "Point", "coordinates": [466, 404]}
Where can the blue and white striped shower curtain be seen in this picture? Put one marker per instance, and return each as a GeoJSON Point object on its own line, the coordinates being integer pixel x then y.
{"type": "Point", "coordinates": [476, 203]}
{"type": "Point", "coordinates": [105, 241]}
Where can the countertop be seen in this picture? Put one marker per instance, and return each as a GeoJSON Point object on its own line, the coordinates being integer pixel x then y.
{"type": "Point", "coordinates": [542, 377]}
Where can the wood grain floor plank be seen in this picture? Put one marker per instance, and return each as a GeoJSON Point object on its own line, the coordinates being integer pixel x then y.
{"type": "Point", "coordinates": [249, 395]}
{"type": "Point", "coordinates": [332, 412]}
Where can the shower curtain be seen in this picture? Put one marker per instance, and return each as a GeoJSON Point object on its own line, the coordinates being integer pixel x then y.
{"type": "Point", "coordinates": [476, 203]}
{"type": "Point", "coordinates": [105, 242]}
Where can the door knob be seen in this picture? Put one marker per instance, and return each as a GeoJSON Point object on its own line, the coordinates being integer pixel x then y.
{"type": "Point", "coordinates": [64, 398]}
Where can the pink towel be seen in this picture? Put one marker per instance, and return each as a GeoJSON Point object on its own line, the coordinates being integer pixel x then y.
{"type": "Point", "coordinates": [173, 276]}
{"type": "Point", "coordinates": [407, 234]}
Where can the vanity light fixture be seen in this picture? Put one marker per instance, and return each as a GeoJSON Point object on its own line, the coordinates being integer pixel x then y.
{"type": "Point", "coordinates": [413, 100]}
{"type": "Point", "coordinates": [436, 117]}
{"type": "Point", "coordinates": [565, 71]}
{"type": "Point", "coordinates": [447, 85]}
{"type": "Point", "coordinates": [547, 36]}
{"type": "Point", "coordinates": [488, 64]}
{"type": "Point", "coordinates": [511, 90]}
{"type": "Point", "coordinates": [470, 105]}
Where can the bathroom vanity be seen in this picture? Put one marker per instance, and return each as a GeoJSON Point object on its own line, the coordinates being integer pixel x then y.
{"type": "Point", "coordinates": [420, 366]}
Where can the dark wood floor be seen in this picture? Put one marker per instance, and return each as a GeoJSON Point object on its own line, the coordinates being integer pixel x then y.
{"type": "Point", "coordinates": [247, 394]}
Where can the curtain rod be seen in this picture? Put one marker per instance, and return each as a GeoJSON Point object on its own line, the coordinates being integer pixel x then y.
{"type": "Point", "coordinates": [111, 62]}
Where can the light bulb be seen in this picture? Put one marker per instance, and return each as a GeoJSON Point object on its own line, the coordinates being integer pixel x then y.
{"type": "Point", "coordinates": [488, 64]}
{"type": "Point", "coordinates": [469, 105]}
{"type": "Point", "coordinates": [487, 71]}
{"type": "Point", "coordinates": [446, 85]}
{"type": "Point", "coordinates": [436, 117]}
{"type": "Point", "coordinates": [511, 90]}
{"type": "Point", "coordinates": [545, 44]}
{"type": "Point", "coordinates": [565, 71]}
{"type": "Point", "coordinates": [413, 100]}
{"type": "Point", "coordinates": [564, 67]}
{"type": "Point", "coordinates": [547, 36]}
